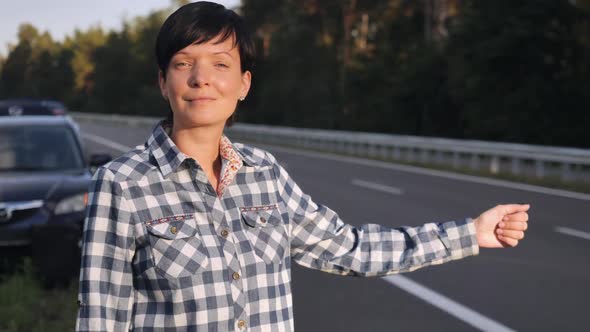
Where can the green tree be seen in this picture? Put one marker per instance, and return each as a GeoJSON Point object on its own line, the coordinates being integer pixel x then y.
{"type": "Point", "coordinates": [16, 69]}
{"type": "Point", "coordinates": [36, 67]}
{"type": "Point", "coordinates": [82, 45]}
{"type": "Point", "coordinates": [512, 66]}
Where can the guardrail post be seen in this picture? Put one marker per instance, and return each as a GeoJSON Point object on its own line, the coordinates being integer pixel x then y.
{"type": "Point", "coordinates": [384, 151]}
{"type": "Point", "coordinates": [566, 172]}
{"type": "Point", "coordinates": [439, 156]}
{"type": "Point", "coordinates": [474, 162]}
{"type": "Point", "coordinates": [424, 156]}
{"type": "Point", "coordinates": [515, 166]}
{"type": "Point", "coordinates": [396, 153]}
{"type": "Point", "coordinates": [539, 168]}
{"type": "Point", "coordinates": [373, 150]}
{"type": "Point", "coordinates": [495, 165]}
{"type": "Point", "coordinates": [456, 159]}
{"type": "Point", "coordinates": [410, 154]}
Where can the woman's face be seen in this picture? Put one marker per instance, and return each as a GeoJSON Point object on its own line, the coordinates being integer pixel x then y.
{"type": "Point", "coordinates": [204, 82]}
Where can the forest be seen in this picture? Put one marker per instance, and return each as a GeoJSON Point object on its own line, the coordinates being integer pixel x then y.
{"type": "Point", "coordinates": [495, 70]}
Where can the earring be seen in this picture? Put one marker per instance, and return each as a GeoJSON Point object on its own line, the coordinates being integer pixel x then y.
{"type": "Point", "coordinates": [242, 98]}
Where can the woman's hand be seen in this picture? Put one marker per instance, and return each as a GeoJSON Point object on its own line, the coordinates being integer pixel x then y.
{"type": "Point", "coordinates": [502, 226]}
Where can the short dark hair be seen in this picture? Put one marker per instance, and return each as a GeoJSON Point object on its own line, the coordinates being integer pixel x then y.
{"type": "Point", "coordinates": [200, 22]}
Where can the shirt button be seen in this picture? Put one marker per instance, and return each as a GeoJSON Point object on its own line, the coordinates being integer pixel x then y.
{"type": "Point", "coordinates": [173, 230]}
{"type": "Point", "coordinates": [262, 220]}
{"type": "Point", "coordinates": [224, 233]}
{"type": "Point", "coordinates": [235, 276]}
{"type": "Point", "coordinates": [241, 324]}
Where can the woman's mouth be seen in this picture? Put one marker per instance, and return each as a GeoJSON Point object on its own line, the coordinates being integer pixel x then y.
{"type": "Point", "coordinates": [199, 99]}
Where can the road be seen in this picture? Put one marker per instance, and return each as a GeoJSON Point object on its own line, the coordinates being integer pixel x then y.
{"type": "Point", "coordinates": [542, 285]}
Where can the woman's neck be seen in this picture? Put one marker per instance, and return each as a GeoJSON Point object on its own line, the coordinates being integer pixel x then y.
{"type": "Point", "coordinates": [201, 144]}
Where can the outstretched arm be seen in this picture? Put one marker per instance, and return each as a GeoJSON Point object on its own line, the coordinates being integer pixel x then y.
{"type": "Point", "coordinates": [319, 239]}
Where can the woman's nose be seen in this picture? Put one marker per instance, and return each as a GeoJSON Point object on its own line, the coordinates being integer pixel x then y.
{"type": "Point", "coordinates": [199, 76]}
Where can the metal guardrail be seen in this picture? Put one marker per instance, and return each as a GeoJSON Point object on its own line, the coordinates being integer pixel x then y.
{"type": "Point", "coordinates": [567, 164]}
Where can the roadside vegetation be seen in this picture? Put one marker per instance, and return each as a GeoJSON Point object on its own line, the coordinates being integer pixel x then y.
{"type": "Point", "coordinates": [27, 306]}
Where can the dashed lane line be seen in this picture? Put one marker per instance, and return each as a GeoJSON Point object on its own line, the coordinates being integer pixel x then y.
{"type": "Point", "coordinates": [377, 187]}
{"type": "Point", "coordinates": [573, 232]}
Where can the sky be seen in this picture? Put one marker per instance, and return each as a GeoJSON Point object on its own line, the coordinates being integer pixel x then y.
{"type": "Point", "coordinates": [61, 17]}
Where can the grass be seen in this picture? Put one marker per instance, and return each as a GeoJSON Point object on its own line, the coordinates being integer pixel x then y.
{"type": "Point", "coordinates": [26, 306]}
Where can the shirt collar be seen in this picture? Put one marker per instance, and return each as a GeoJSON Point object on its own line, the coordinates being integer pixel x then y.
{"type": "Point", "coordinates": [227, 152]}
{"type": "Point", "coordinates": [168, 157]}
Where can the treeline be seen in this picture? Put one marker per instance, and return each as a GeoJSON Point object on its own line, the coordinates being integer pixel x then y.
{"type": "Point", "coordinates": [91, 71]}
{"type": "Point", "coordinates": [502, 70]}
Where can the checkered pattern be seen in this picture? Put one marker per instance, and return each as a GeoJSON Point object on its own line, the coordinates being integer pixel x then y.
{"type": "Point", "coordinates": [162, 251]}
{"type": "Point", "coordinates": [267, 232]}
{"type": "Point", "coordinates": [177, 252]}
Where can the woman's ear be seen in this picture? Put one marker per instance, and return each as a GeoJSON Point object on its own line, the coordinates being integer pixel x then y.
{"type": "Point", "coordinates": [162, 84]}
{"type": "Point", "coordinates": [246, 82]}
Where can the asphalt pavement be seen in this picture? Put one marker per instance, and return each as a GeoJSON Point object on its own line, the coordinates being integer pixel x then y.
{"type": "Point", "coordinates": [541, 285]}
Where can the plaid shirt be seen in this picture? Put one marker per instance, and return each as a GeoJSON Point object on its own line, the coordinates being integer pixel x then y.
{"type": "Point", "coordinates": [163, 251]}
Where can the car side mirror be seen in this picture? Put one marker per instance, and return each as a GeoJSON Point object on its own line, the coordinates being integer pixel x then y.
{"type": "Point", "coordinates": [97, 160]}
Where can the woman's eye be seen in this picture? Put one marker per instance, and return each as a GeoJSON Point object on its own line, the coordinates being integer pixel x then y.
{"type": "Point", "coordinates": [181, 64]}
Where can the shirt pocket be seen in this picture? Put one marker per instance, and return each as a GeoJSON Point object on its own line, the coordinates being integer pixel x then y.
{"type": "Point", "coordinates": [176, 246]}
{"type": "Point", "coordinates": [266, 231]}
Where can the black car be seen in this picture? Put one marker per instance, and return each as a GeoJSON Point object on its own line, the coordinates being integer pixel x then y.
{"type": "Point", "coordinates": [18, 107]}
{"type": "Point", "coordinates": [44, 179]}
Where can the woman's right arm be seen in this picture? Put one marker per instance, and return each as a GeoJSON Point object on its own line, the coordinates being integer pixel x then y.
{"type": "Point", "coordinates": [106, 280]}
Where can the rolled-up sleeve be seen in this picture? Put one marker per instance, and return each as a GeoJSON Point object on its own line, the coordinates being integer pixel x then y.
{"type": "Point", "coordinates": [106, 281]}
{"type": "Point", "coordinates": [321, 240]}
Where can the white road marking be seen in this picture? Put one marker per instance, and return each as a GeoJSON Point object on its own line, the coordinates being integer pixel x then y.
{"type": "Point", "coordinates": [442, 302]}
{"type": "Point", "coordinates": [572, 232]}
{"type": "Point", "coordinates": [107, 142]}
{"type": "Point", "coordinates": [377, 186]}
{"type": "Point", "coordinates": [431, 172]}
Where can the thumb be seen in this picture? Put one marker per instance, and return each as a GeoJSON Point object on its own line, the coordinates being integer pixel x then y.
{"type": "Point", "coordinates": [514, 208]}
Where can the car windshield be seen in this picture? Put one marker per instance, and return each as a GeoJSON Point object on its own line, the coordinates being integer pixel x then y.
{"type": "Point", "coordinates": [38, 148]}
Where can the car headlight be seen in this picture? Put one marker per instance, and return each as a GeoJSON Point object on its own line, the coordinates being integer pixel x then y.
{"type": "Point", "coordinates": [71, 204]}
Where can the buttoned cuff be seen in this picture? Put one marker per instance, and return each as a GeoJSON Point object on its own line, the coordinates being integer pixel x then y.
{"type": "Point", "coordinates": [461, 238]}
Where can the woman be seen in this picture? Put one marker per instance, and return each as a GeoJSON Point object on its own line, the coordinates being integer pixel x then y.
{"type": "Point", "coordinates": [193, 232]}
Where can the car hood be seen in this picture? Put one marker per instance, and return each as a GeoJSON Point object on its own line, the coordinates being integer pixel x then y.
{"type": "Point", "coordinates": [46, 186]}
